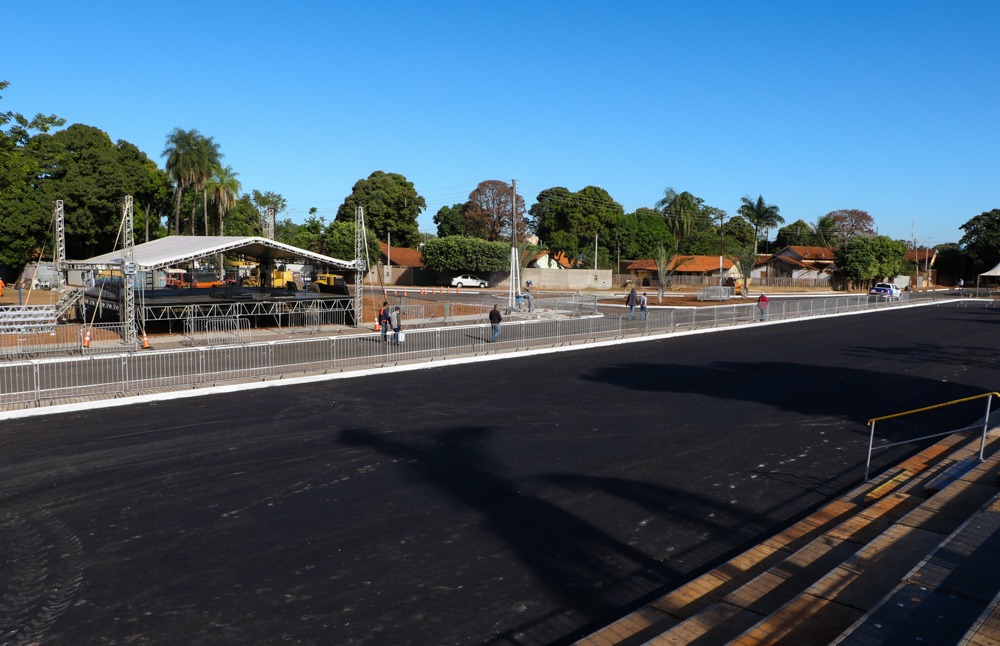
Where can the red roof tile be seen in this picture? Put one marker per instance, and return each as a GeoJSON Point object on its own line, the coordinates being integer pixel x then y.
{"type": "Point", "coordinates": [812, 253]}
{"type": "Point", "coordinates": [402, 256]}
{"type": "Point", "coordinates": [684, 264]}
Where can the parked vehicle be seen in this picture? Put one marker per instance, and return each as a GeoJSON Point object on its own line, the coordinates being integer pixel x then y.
{"type": "Point", "coordinates": [468, 280]}
{"type": "Point", "coordinates": [885, 290]}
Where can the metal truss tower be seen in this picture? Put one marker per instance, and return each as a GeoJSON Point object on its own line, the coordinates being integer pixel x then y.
{"type": "Point", "coordinates": [360, 263]}
{"type": "Point", "coordinates": [60, 221]}
{"type": "Point", "coordinates": [128, 274]}
{"type": "Point", "coordinates": [515, 261]}
{"type": "Point", "coordinates": [269, 223]}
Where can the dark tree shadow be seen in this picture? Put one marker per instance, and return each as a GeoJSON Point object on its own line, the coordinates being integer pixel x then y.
{"type": "Point", "coordinates": [575, 559]}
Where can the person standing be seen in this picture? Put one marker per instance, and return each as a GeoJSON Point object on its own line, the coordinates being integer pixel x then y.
{"type": "Point", "coordinates": [631, 300]}
{"type": "Point", "coordinates": [394, 321]}
{"type": "Point", "coordinates": [762, 304]}
{"type": "Point", "coordinates": [643, 310]}
{"type": "Point", "coordinates": [383, 320]}
{"type": "Point", "coordinates": [495, 319]}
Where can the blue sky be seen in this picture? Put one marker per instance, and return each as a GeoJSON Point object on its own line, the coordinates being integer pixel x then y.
{"type": "Point", "coordinates": [889, 107]}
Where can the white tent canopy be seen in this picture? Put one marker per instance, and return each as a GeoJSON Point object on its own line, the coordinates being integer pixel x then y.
{"type": "Point", "coordinates": [995, 272]}
{"type": "Point", "coordinates": [164, 252]}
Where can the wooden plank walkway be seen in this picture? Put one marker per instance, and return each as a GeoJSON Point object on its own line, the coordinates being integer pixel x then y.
{"type": "Point", "coordinates": [813, 581]}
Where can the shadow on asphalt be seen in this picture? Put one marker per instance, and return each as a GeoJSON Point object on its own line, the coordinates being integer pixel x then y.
{"type": "Point", "coordinates": [888, 393]}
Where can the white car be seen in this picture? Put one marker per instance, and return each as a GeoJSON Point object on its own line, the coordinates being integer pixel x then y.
{"type": "Point", "coordinates": [468, 280]}
{"type": "Point", "coordinates": [885, 290]}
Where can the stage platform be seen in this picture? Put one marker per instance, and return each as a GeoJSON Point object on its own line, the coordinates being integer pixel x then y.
{"type": "Point", "coordinates": [261, 307]}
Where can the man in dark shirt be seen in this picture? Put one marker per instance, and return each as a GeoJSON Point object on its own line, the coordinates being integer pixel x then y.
{"type": "Point", "coordinates": [495, 320]}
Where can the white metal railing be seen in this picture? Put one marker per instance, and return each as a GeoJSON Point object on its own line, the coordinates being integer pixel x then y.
{"type": "Point", "coordinates": [117, 373]}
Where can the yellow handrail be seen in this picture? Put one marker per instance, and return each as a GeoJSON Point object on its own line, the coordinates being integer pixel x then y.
{"type": "Point", "coordinates": [871, 425]}
{"type": "Point", "coordinates": [926, 408]}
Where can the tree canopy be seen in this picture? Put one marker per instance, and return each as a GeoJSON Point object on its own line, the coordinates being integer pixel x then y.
{"type": "Point", "coordinates": [450, 221]}
{"type": "Point", "coordinates": [982, 240]}
{"type": "Point", "coordinates": [570, 222]}
{"type": "Point", "coordinates": [391, 206]}
{"type": "Point", "coordinates": [761, 215]}
{"type": "Point", "coordinates": [488, 213]}
{"type": "Point", "coordinates": [463, 253]}
{"type": "Point", "coordinates": [868, 259]}
{"type": "Point", "coordinates": [851, 223]}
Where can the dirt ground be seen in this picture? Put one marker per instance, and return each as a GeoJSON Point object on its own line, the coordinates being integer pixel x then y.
{"type": "Point", "coordinates": [34, 297]}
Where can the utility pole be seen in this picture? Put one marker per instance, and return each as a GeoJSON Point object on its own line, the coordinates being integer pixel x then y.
{"type": "Point", "coordinates": [722, 244]}
{"type": "Point", "coordinates": [515, 262]}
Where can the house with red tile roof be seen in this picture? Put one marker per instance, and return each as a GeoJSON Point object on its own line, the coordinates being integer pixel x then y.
{"type": "Point", "coordinates": [797, 261]}
{"type": "Point", "coordinates": [644, 272]}
{"type": "Point", "coordinates": [400, 256]}
{"type": "Point", "coordinates": [400, 264]}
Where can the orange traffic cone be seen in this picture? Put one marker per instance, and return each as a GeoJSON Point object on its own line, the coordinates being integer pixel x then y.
{"type": "Point", "coordinates": [86, 338]}
{"type": "Point", "coordinates": [377, 326]}
{"type": "Point", "coordinates": [145, 341]}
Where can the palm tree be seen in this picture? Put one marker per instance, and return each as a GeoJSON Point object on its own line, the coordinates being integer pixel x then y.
{"type": "Point", "coordinates": [745, 259]}
{"type": "Point", "coordinates": [205, 158]}
{"type": "Point", "coordinates": [680, 210]}
{"type": "Point", "coordinates": [178, 152]}
{"type": "Point", "coordinates": [827, 233]}
{"type": "Point", "coordinates": [664, 270]}
{"type": "Point", "coordinates": [761, 215]}
{"type": "Point", "coordinates": [223, 190]}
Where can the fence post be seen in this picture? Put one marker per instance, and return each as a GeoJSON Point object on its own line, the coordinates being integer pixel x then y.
{"type": "Point", "coordinates": [37, 381]}
{"type": "Point", "coordinates": [986, 424]}
{"type": "Point", "coordinates": [871, 443]}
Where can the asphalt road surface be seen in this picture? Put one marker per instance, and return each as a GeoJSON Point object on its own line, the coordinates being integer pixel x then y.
{"type": "Point", "coordinates": [518, 501]}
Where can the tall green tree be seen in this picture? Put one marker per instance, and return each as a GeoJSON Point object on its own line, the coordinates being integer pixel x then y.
{"type": "Point", "coordinates": [981, 240]}
{"type": "Point", "coordinates": [681, 211]}
{"type": "Point", "coordinates": [798, 233]}
{"type": "Point", "coordinates": [338, 242]}
{"type": "Point", "coordinates": [90, 174]}
{"type": "Point", "coordinates": [867, 259]}
{"type": "Point", "coordinates": [21, 229]}
{"type": "Point", "coordinates": [953, 263]}
{"type": "Point", "coordinates": [450, 221]}
{"type": "Point", "coordinates": [826, 233]}
{"type": "Point", "coordinates": [206, 157]}
{"type": "Point", "coordinates": [570, 222]}
{"type": "Point", "coordinates": [548, 217]}
{"type": "Point", "coordinates": [181, 166]}
{"type": "Point", "coordinates": [391, 205]}
{"type": "Point", "coordinates": [761, 215]}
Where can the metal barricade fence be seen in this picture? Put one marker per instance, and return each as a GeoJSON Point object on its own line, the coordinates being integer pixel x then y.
{"type": "Point", "coordinates": [103, 338]}
{"type": "Point", "coordinates": [28, 381]}
{"type": "Point", "coordinates": [217, 330]}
